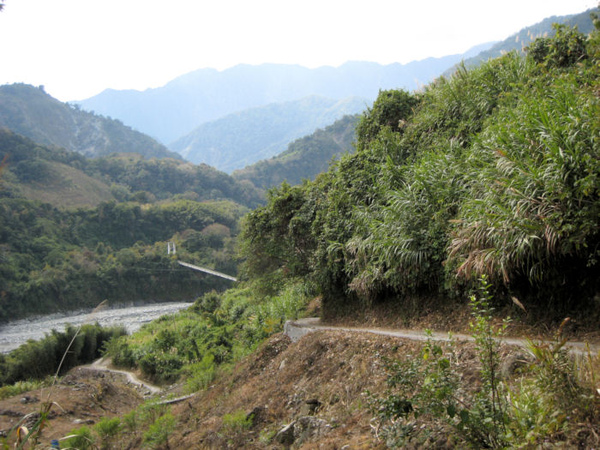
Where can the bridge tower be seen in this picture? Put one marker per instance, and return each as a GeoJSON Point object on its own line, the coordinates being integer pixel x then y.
{"type": "Point", "coordinates": [171, 250]}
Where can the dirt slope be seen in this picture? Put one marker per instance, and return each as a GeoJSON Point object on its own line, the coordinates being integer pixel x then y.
{"type": "Point", "coordinates": [84, 396]}
{"type": "Point", "coordinates": [319, 384]}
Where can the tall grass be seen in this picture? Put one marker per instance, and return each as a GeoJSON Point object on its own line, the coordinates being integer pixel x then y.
{"type": "Point", "coordinates": [533, 211]}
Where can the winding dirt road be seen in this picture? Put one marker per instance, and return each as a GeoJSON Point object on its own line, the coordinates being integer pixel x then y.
{"type": "Point", "coordinates": [147, 389]}
{"type": "Point", "coordinates": [103, 365]}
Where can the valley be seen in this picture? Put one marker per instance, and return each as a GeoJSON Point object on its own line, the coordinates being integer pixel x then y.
{"type": "Point", "coordinates": [469, 207]}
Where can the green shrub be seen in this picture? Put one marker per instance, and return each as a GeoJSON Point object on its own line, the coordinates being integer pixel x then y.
{"type": "Point", "coordinates": [200, 375]}
{"type": "Point", "coordinates": [107, 428]}
{"type": "Point", "coordinates": [158, 433]}
{"type": "Point", "coordinates": [81, 439]}
{"type": "Point", "coordinates": [237, 421]}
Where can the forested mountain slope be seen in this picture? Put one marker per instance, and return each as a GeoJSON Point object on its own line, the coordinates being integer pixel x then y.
{"type": "Point", "coordinates": [304, 158]}
{"type": "Point", "coordinates": [74, 231]}
{"type": "Point", "coordinates": [31, 112]}
{"type": "Point", "coordinates": [244, 138]}
{"type": "Point", "coordinates": [68, 179]}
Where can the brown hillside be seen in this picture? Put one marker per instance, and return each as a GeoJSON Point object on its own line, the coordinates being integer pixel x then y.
{"type": "Point", "coordinates": [324, 376]}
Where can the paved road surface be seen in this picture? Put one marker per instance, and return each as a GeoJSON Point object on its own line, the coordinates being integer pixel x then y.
{"type": "Point", "coordinates": [297, 328]}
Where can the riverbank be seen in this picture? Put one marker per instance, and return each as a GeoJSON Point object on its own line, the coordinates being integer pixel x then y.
{"type": "Point", "coordinates": [14, 334]}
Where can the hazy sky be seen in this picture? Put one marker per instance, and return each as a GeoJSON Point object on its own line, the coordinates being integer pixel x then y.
{"type": "Point", "coordinates": [77, 48]}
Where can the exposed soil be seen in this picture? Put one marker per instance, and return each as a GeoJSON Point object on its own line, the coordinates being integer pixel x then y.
{"type": "Point", "coordinates": [82, 397]}
{"type": "Point", "coordinates": [324, 377]}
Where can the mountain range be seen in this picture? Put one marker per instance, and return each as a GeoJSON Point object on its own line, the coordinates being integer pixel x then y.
{"type": "Point", "coordinates": [237, 117]}
{"type": "Point", "coordinates": [241, 139]}
{"type": "Point", "coordinates": [172, 111]}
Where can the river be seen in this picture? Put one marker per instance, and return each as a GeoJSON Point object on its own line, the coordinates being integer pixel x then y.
{"type": "Point", "coordinates": [18, 332]}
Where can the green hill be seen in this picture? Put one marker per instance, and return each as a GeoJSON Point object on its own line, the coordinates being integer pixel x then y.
{"type": "Point", "coordinates": [68, 179]}
{"type": "Point", "coordinates": [31, 112]}
{"type": "Point", "coordinates": [490, 173]}
{"type": "Point", "coordinates": [304, 158]}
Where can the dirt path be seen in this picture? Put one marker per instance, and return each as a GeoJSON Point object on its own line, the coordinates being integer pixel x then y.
{"type": "Point", "coordinates": [102, 364]}
{"type": "Point", "coordinates": [297, 328]}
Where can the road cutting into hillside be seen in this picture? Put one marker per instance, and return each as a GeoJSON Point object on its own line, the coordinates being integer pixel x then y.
{"type": "Point", "coordinates": [296, 329]}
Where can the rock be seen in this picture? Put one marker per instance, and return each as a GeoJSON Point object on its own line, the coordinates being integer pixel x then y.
{"type": "Point", "coordinates": [514, 363]}
{"type": "Point", "coordinates": [285, 436]}
{"type": "Point", "coordinates": [304, 429]}
{"type": "Point", "coordinates": [309, 428]}
{"type": "Point", "coordinates": [257, 415]}
{"type": "Point", "coordinates": [83, 422]}
{"type": "Point", "coordinates": [313, 406]}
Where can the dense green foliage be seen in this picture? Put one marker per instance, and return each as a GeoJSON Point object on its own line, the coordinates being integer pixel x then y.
{"type": "Point", "coordinates": [491, 172]}
{"type": "Point", "coordinates": [101, 230]}
{"type": "Point", "coordinates": [71, 347]}
{"type": "Point", "coordinates": [217, 330]}
{"type": "Point", "coordinates": [53, 259]}
{"type": "Point", "coordinates": [304, 158]}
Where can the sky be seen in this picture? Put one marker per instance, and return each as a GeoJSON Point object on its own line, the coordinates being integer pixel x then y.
{"type": "Point", "coordinates": [78, 48]}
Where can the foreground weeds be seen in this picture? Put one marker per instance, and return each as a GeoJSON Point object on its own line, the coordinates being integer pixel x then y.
{"type": "Point", "coordinates": [550, 398]}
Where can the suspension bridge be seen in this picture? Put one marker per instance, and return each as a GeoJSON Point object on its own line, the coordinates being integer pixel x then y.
{"type": "Point", "coordinates": [172, 250]}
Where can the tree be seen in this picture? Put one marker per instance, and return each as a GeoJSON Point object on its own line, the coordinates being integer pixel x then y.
{"type": "Point", "coordinates": [391, 109]}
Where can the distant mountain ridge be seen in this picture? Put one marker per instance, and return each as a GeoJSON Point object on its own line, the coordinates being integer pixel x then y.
{"type": "Point", "coordinates": [29, 111]}
{"type": "Point", "coordinates": [240, 139]}
{"type": "Point", "coordinates": [304, 158]}
{"type": "Point", "coordinates": [172, 111]}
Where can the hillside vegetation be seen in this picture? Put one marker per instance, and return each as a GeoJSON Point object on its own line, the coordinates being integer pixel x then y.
{"type": "Point", "coordinates": [487, 178]}
{"type": "Point", "coordinates": [68, 179]}
{"type": "Point", "coordinates": [492, 172]}
{"type": "Point", "coordinates": [482, 186]}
